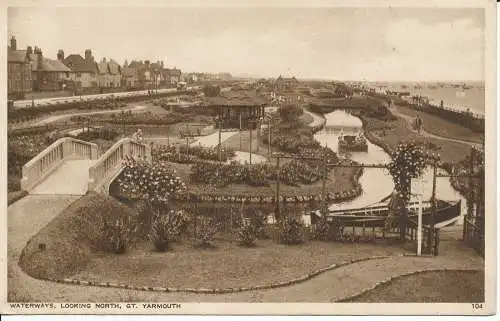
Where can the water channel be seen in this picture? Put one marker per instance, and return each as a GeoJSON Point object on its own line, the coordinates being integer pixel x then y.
{"type": "Point", "coordinates": [377, 183]}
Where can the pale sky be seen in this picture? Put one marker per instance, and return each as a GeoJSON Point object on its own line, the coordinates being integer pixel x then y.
{"type": "Point", "coordinates": [417, 44]}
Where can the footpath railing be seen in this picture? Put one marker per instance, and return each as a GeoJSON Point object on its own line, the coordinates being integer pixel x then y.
{"type": "Point", "coordinates": [110, 163]}
{"type": "Point", "coordinates": [50, 158]}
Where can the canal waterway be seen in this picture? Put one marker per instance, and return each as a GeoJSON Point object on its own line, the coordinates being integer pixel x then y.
{"type": "Point", "coordinates": [376, 183]}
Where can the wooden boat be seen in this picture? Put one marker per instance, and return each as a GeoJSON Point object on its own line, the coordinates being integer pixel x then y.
{"type": "Point", "coordinates": [353, 143]}
{"type": "Point", "coordinates": [376, 215]}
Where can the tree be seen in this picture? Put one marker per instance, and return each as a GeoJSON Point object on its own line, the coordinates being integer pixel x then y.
{"type": "Point", "coordinates": [407, 162]}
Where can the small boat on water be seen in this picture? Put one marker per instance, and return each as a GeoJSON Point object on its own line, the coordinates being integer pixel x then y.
{"type": "Point", "coordinates": [353, 143]}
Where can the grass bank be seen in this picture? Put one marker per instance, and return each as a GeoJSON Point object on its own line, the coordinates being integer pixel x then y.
{"type": "Point", "coordinates": [442, 127]}
{"type": "Point", "coordinates": [434, 286]}
{"type": "Point", "coordinates": [388, 134]}
{"type": "Point", "coordinates": [62, 247]}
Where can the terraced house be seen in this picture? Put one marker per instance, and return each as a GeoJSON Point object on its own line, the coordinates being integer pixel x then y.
{"type": "Point", "coordinates": [110, 74]}
{"type": "Point", "coordinates": [48, 74]}
{"type": "Point", "coordinates": [84, 70]}
{"type": "Point", "coordinates": [19, 76]}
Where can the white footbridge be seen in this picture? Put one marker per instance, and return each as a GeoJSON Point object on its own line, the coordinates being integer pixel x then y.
{"type": "Point", "coordinates": [74, 167]}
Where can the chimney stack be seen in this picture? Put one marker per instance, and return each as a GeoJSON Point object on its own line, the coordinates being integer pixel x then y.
{"type": "Point", "coordinates": [39, 57]}
{"type": "Point", "coordinates": [13, 43]}
{"type": "Point", "coordinates": [29, 50]}
{"type": "Point", "coordinates": [60, 55]}
{"type": "Point", "coordinates": [88, 55]}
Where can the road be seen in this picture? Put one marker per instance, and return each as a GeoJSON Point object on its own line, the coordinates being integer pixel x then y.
{"type": "Point", "coordinates": [55, 100]}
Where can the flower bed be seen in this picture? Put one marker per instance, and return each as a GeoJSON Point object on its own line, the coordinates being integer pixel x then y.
{"type": "Point", "coordinates": [295, 172]}
{"type": "Point", "coordinates": [185, 155]}
{"type": "Point", "coordinates": [156, 182]}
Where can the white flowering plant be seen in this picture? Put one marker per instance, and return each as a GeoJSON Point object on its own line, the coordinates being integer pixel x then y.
{"type": "Point", "coordinates": [408, 161]}
{"type": "Point", "coordinates": [156, 182]}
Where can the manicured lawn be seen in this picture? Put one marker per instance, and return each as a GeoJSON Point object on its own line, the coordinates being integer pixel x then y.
{"type": "Point", "coordinates": [226, 265]}
{"type": "Point", "coordinates": [442, 127]}
{"type": "Point", "coordinates": [391, 133]}
{"type": "Point", "coordinates": [443, 286]}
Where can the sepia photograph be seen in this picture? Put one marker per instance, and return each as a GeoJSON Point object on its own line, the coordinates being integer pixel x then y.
{"type": "Point", "coordinates": [304, 156]}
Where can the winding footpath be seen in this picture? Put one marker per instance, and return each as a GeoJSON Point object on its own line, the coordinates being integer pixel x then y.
{"type": "Point", "coordinates": [333, 285]}
{"type": "Point", "coordinates": [423, 132]}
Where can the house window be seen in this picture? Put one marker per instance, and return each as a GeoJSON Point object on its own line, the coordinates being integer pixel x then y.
{"type": "Point", "coordinates": [78, 74]}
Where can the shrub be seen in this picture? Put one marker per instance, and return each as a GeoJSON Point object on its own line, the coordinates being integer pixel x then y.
{"type": "Point", "coordinates": [205, 230]}
{"type": "Point", "coordinates": [247, 233]}
{"type": "Point", "coordinates": [290, 231]}
{"type": "Point", "coordinates": [259, 220]}
{"type": "Point", "coordinates": [112, 235]}
{"type": "Point", "coordinates": [321, 231]}
{"type": "Point", "coordinates": [166, 228]}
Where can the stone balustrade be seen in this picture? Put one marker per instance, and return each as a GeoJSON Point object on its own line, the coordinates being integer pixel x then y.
{"type": "Point", "coordinates": [109, 165]}
{"type": "Point", "coordinates": [50, 158]}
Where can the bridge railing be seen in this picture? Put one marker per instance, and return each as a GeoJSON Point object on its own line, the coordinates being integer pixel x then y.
{"type": "Point", "coordinates": [112, 161]}
{"type": "Point", "coordinates": [51, 157]}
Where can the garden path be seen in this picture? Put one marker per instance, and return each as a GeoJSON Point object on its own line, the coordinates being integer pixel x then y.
{"type": "Point", "coordinates": [327, 287]}
{"type": "Point", "coordinates": [410, 119]}
{"type": "Point", "coordinates": [212, 140]}
{"type": "Point", "coordinates": [69, 178]}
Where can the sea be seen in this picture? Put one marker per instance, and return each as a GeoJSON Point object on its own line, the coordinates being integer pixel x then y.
{"type": "Point", "coordinates": [461, 96]}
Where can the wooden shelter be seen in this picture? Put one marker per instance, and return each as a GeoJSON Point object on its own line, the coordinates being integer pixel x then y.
{"type": "Point", "coordinates": [235, 106]}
